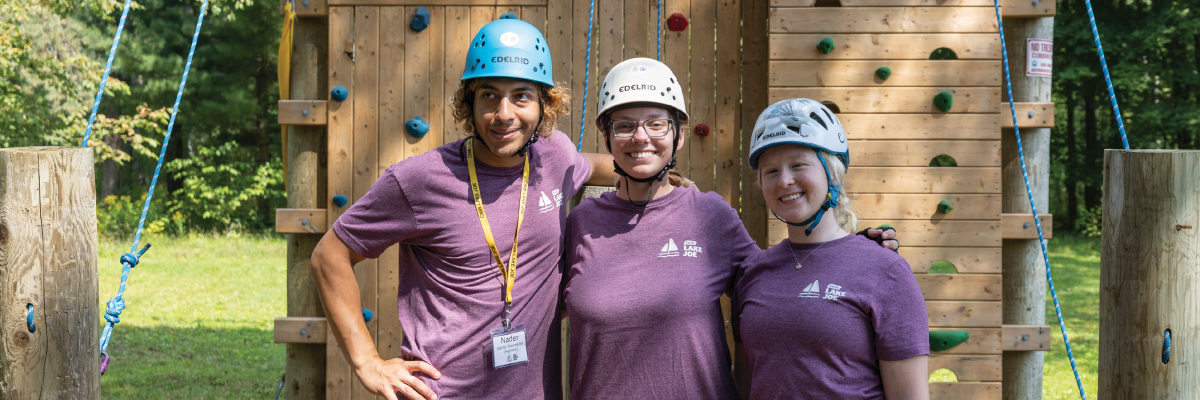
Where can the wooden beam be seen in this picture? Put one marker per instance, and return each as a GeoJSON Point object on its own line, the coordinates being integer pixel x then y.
{"type": "Point", "coordinates": [904, 73]}
{"type": "Point", "coordinates": [923, 232]}
{"type": "Point", "coordinates": [306, 8]}
{"type": "Point", "coordinates": [416, 3]}
{"type": "Point", "coordinates": [888, 3]}
{"type": "Point", "coordinates": [966, 314]}
{"type": "Point", "coordinates": [932, 126]}
{"type": "Point", "coordinates": [301, 330]}
{"type": "Point", "coordinates": [292, 112]}
{"type": "Point", "coordinates": [300, 220]}
{"type": "Point", "coordinates": [1026, 337]}
{"type": "Point", "coordinates": [1028, 9]}
{"type": "Point", "coordinates": [919, 153]}
{"type": "Point", "coordinates": [1021, 226]}
{"type": "Point", "coordinates": [903, 46]}
{"type": "Point", "coordinates": [1029, 115]}
{"type": "Point", "coordinates": [925, 206]}
{"type": "Point", "coordinates": [924, 180]}
{"type": "Point", "coordinates": [883, 20]}
{"type": "Point", "coordinates": [964, 390]}
{"type": "Point", "coordinates": [960, 286]}
{"type": "Point", "coordinates": [969, 260]}
{"type": "Point", "coordinates": [755, 70]}
{"type": "Point", "coordinates": [969, 367]}
{"type": "Point", "coordinates": [862, 100]}
{"type": "Point", "coordinates": [980, 341]}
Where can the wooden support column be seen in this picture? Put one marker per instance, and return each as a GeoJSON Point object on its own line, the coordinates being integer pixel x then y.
{"type": "Point", "coordinates": [1023, 266]}
{"type": "Point", "coordinates": [755, 73]}
{"type": "Point", "coordinates": [1149, 269]}
{"type": "Point", "coordinates": [305, 370]}
{"type": "Point", "coordinates": [48, 261]}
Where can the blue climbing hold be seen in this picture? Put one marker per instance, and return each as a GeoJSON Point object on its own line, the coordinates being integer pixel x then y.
{"type": "Point", "coordinates": [508, 16]}
{"type": "Point", "coordinates": [340, 200]}
{"type": "Point", "coordinates": [417, 127]}
{"type": "Point", "coordinates": [420, 19]}
{"type": "Point", "coordinates": [1166, 354]}
{"type": "Point", "coordinates": [29, 319]}
{"type": "Point", "coordinates": [367, 315]}
{"type": "Point", "coordinates": [339, 93]}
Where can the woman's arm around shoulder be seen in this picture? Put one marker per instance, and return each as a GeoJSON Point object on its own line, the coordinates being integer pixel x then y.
{"type": "Point", "coordinates": [906, 379]}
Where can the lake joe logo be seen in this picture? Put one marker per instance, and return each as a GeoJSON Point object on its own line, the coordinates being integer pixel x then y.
{"type": "Point", "coordinates": [509, 39]}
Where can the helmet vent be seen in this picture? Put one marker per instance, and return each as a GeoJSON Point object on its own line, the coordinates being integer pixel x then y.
{"type": "Point", "coordinates": [831, 118]}
{"type": "Point", "coordinates": [816, 117]}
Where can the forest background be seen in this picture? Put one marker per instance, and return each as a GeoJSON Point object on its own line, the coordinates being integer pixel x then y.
{"type": "Point", "coordinates": [223, 170]}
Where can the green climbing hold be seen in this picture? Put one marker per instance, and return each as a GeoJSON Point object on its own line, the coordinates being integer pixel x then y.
{"type": "Point", "coordinates": [946, 340]}
{"type": "Point", "coordinates": [943, 267]}
{"type": "Point", "coordinates": [826, 45]}
{"type": "Point", "coordinates": [944, 206]}
{"type": "Point", "coordinates": [886, 226]}
{"type": "Point", "coordinates": [883, 72]}
{"type": "Point", "coordinates": [943, 101]}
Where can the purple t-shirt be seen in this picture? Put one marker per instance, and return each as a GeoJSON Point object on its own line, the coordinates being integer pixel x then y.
{"type": "Point", "coordinates": [643, 293]}
{"type": "Point", "coordinates": [818, 332]}
{"type": "Point", "coordinates": [451, 291]}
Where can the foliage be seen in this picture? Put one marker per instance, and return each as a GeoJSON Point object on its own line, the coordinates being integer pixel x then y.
{"type": "Point", "coordinates": [220, 187]}
{"type": "Point", "coordinates": [1089, 221]}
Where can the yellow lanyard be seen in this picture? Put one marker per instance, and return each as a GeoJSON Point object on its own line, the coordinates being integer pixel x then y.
{"type": "Point", "coordinates": [509, 273]}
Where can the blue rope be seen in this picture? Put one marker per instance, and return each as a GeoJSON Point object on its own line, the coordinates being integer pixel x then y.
{"type": "Point", "coordinates": [104, 79]}
{"type": "Point", "coordinates": [1111, 94]}
{"type": "Point", "coordinates": [587, 71]}
{"type": "Point", "coordinates": [130, 260]}
{"type": "Point", "coordinates": [1024, 174]}
{"type": "Point", "coordinates": [29, 319]}
{"type": "Point", "coordinates": [659, 30]}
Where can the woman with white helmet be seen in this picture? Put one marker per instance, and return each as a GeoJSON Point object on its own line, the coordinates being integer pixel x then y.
{"type": "Point", "coordinates": [824, 313]}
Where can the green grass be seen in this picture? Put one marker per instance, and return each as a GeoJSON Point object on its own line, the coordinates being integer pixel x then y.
{"type": "Point", "coordinates": [197, 322]}
{"type": "Point", "coordinates": [1075, 265]}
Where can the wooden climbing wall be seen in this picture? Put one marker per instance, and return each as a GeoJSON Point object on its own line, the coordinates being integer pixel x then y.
{"type": "Point", "coordinates": [895, 132]}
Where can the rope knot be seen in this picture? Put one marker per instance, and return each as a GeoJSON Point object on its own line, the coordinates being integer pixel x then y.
{"type": "Point", "coordinates": [115, 306]}
{"type": "Point", "coordinates": [131, 259]}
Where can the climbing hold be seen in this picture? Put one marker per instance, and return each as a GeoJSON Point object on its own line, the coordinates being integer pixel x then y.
{"type": "Point", "coordinates": [947, 339]}
{"type": "Point", "coordinates": [417, 127]}
{"type": "Point", "coordinates": [943, 267]}
{"type": "Point", "coordinates": [826, 45]}
{"type": "Point", "coordinates": [508, 16]}
{"type": "Point", "coordinates": [367, 315]}
{"type": "Point", "coordinates": [1166, 354]}
{"type": "Point", "coordinates": [883, 72]}
{"type": "Point", "coordinates": [420, 19]}
{"type": "Point", "coordinates": [886, 226]}
{"type": "Point", "coordinates": [700, 130]}
{"type": "Point", "coordinates": [944, 206]}
{"type": "Point", "coordinates": [943, 101]}
{"type": "Point", "coordinates": [340, 200]}
{"type": "Point", "coordinates": [677, 22]}
{"type": "Point", "coordinates": [339, 93]}
{"type": "Point", "coordinates": [29, 319]}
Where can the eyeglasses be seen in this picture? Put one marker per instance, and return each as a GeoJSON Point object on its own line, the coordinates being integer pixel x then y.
{"type": "Point", "coordinates": [655, 128]}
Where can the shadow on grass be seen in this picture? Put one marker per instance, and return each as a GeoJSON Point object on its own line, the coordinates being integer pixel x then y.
{"type": "Point", "coordinates": [192, 363]}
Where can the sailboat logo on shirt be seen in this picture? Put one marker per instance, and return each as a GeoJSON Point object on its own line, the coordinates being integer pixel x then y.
{"type": "Point", "coordinates": [669, 249]}
{"type": "Point", "coordinates": [812, 290]}
{"type": "Point", "coordinates": [545, 204]}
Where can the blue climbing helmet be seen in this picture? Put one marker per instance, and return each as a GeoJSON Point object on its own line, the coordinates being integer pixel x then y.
{"type": "Point", "coordinates": [509, 48]}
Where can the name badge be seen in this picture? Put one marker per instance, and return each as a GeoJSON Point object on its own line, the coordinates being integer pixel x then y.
{"type": "Point", "coordinates": [508, 346]}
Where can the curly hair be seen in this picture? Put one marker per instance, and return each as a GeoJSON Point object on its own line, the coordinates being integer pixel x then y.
{"type": "Point", "coordinates": [554, 100]}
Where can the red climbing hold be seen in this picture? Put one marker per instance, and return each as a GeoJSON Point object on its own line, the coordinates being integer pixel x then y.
{"type": "Point", "coordinates": [700, 130]}
{"type": "Point", "coordinates": [677, 22]}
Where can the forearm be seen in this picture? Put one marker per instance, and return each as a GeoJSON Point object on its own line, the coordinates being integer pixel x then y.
{"type": "Point", "coordinates": [602, 170]}
{"type": "Point", "coordinates": [333, 270]}
{"type": "Point", "coordinates": [906, 379]}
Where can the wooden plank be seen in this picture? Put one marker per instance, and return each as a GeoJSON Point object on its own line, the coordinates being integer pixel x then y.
{"type": "Point", "coordinates": [1029, 115]}
{"type": "Point", "coordinates": [391, 334]}
{"type": "Point", "coordinates": [292, 112]}
{"type": "Point", "coordinates": [964, 390]}
{"type": "Point", "coordinates": [934, 126]}
{"type": "Point", "coordinates": [960, 286]}
{"type": "Point", "coordinates": [1026, 337]}
{"type": "Point", "coordinates": [966, 314]}
{"type": "Point", "coordinates": [754, 95]}
{"type": "Point", "coordinates": [924, 180]}
{"type": "Point", "coordinates": [438, 96]}
{"type": "Point", "coordinates": [300, 220]}
{"type": "Point", "coordinates": [558, 36]}
{"type": "Point", "coordinates": [458, 41]}
{"type": "Point", "coordinates": [414, 3]}
{"type": "Point", "coordinates": [301, 330]}
{"type": "Point", "coordinates": [638, 40]}
{"type": "Point", "coordinates": [702, 151]}
{"type": "Point", "coordinates": [904, 73]}
{"type": "Point", "coordinates": [417, 56]}
{"type": "Point", "coordinates": [23, 358]}
{"type": "Point", "coordinates": [967, 260]}
{"type": "Point", "coordinates": [924, 206]}
{"type": "Point", "coordinates": [981, 341]}
{"type": "Point", "coordinates": [676, 55]}
{"type": "Point", "coordinates": [535, 16]}
{"type": "Point", "coordinates": [883, 20]}
{"type": "Point", "coordinates": [366, 150]}
{"type": "Point", "coordinates": [860, 46]}
{"type": "Point", "coordinates": [896, 100]}
{"type": "Point", "coordinates": [984, 368]}
{"type": "Point", "coordinates": [1028, 9]}
{"type": "Point", "coordinates": [341, 113]}
{"type": "Point", "coordinates": [1021, 226]}
{"type": "Point", "coordinates": [306, 8]}
{"type": "Point", "coordinates": [888, 3]}
{"type": "Point", "coordinates": [924, 233]}
{"type": "Point", "coordinates": [728, 116]}
{"type": "Point", "coordinates": [584, 72]}
{"type": "Point", "coordinates": [609, 42]}
{"type": "Point", "coordinates": [392, 142]}
{"type": "Point", "coordinates": [919, 153]}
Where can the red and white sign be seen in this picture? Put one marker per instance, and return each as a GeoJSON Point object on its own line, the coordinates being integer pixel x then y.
{"type": "Point", "coordinates": [1039, 60]}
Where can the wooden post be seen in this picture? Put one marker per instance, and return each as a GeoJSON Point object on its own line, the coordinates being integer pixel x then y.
{"type": "Point", "coordinates": [1149, 271]}
{"type": "Point", "coordinates": [48, 260]}
{"type": "Point", "coordinates": [305, 370]}
{"type": "Point", "coordinates": [1023, 266]}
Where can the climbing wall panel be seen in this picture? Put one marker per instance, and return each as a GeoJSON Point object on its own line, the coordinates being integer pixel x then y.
{"type": "Point", "coordinates": [896, 131]}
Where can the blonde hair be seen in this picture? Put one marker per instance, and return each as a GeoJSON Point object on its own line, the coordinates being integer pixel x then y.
{"type": "Point", "coordinates": [555, 102]}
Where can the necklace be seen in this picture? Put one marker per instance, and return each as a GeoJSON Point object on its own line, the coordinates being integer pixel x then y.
{"type": "Point", "coordinates": [810, 253]}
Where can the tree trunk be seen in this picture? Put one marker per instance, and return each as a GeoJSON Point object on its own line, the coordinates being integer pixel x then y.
{"type": "Point", "coordinates": [1093, 149]}
{"type": "Point", "coordinates": [1072, 161]}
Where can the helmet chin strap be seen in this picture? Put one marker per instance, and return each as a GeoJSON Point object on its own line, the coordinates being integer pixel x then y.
{"type": "Point", "coordinates": [830, 202]}
{"type": "Point", "coordinates": [658, 177]}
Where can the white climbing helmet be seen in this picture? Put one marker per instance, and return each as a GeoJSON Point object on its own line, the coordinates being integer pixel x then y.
{"type": "Point", "coordinates": [641, 80]}
{"type": "Point", "coordinates": [801, 122]}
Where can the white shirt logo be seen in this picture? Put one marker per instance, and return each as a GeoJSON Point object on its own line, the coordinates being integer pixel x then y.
{"type": "Point", "coordinates": [545, 204]}
{"type": "Point", "coordinates": [832, 292]}
{"type": "Point", "coordinates": [690, 249]}
{"type": "Point", "coordinates": [509, 39]}
{"type": "Point", "coordinates": [669, 249]}
{"type": "Point", "coordinates": [812, 290]}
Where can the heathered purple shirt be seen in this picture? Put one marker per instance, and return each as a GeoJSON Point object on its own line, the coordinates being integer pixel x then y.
{"type": "Point", "coordinates": [818, 332]}
{"type": "Point", "coordinates": [643, 294]}
{"type": "Point", "coordinates": [451, 291]}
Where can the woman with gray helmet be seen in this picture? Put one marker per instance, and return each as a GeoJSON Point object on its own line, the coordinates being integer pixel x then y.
{"type": "Point", "coordinates": [824, 313]}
